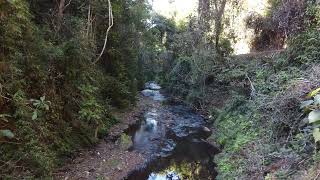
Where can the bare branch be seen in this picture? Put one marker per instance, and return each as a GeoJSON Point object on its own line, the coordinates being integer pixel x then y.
{"type": "Point", "coordinates": [89, 19]}
{"type": "Point", "coordinates": [67, 4]}
{"type": "Point", "coordinates": [107, 33]}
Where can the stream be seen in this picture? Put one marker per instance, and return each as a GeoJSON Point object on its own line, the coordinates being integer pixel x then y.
{"type": "Point", "coordinates": [173, 137]}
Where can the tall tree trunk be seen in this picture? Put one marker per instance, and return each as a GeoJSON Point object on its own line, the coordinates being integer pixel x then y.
{"type": "Point", "coordinates": [60, 10]}
{"type": "Point", "coordinates": [204, 14]}
{"type": "Point", "coordinates": [218, 22]}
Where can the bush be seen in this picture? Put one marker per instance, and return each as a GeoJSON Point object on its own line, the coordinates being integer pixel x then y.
{"type": "Point", "coordinates": [304, 48]}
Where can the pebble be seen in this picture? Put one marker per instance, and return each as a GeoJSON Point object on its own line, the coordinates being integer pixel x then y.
{"type": "Point", "coordinates": [119, 168]}
{"type": "Point", "coordinates": [87, 173]}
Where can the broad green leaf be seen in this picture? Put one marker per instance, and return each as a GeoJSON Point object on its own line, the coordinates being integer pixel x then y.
{"type": "Point", "coordinates": [314, 92]}
{"type": "Point", "coordinates": [316, 134]}
{"type": "Point", "coordinates": [6, 133]}
{"type": "Point", "coordinates": [306, 103]}
{"type": "Point", "coordinates": [3, 117]}
{"type": "Point", "coordinates": [46, 107]}
{"type": "Point", "coordinates": [36, 103]}
{"type": "Point", "coordinates": [317, 99]}
{"type": "Point", "coordinates": [314, 116]}
{"type": "Point", "coordinates": [42, 98]}
{"type": "Point", "coordinates": [10, 1]}
{"type": "Point", "coordinates": [34, 115]}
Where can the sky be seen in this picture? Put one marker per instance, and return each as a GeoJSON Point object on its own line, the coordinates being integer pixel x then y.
{"type": "Point", "coordinates": [184, 8]}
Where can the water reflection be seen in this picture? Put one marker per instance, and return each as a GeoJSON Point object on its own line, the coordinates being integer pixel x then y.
{"type": "Point", "coordinates": [178, 148]}
{"type": "Point", "coordinates": [164, 176]}
{"type": "Point", "coordinates": [146, 131]}
{"type": "Point", "coordinates": [184, 164]}
{"type": "Point", "coordinates": [190, 160]}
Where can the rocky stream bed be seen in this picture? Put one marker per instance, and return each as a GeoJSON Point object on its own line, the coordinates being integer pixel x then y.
{"type": "Point", "coordinates": [168, 142]}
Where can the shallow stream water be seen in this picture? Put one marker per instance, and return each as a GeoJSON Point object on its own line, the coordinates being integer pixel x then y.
{"type": "Point", "coordinates": [173, 137]}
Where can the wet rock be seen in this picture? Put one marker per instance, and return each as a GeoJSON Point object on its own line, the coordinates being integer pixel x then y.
{"type": "Point", "coordinates": [152, 85]}
{"type": "Point", "coordinates": [206, 132]}
{"type": "Point", "coordinates": [148, 92]}
{"type": "Point", "coordinates": [188, 131]}
{"type": "Point", "coordinates": [154, 94]}
{"type": "Point", "coordinates": [168, 148]}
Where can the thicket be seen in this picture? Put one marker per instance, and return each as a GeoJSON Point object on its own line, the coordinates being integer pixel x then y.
{"type": "Point", "coordinates": [268, 133]}
{"type": "Point", "coordinates": [255, 102]}
{"type": "Point", "coordinates": [54, 97]}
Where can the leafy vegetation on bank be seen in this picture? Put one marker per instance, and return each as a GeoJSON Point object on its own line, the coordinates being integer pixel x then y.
{"type": "Point", "coordinates": [55, 97]}
{"type": "Point", "coordinates": [254, 101]}
{"type": "Point", "coordinates": [284, 126]}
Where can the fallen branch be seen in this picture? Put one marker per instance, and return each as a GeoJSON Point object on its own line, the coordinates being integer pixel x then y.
{"type": "Point", "coordinates": [8, 142]}
{"type": "Point", "coordinates": [253, 90]}
{"type": "Point", "coordinates": [67, 5]}
{"type": "Point", "coordinates": [1, 87]}
{"type": "Point", "coordinates": [317, 176]}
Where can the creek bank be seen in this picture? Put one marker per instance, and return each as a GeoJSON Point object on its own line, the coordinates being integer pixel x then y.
{"type": "Point", "coordinates": [109, 159]}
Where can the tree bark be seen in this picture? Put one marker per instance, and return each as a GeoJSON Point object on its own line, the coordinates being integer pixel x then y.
{"type": "Point", "coordinates": [218, 22]}
{"type": "Point", "coordinates": [61, 9]}
{"type": "Point", "coordinates": [89, 20]}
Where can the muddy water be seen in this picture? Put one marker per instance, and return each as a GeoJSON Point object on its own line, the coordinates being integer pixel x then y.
{"type": "Point", "coordinates": [173, 139]}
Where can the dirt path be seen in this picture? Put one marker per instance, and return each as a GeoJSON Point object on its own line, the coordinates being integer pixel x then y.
{"type": "Point", "coordinates": [109, 160]}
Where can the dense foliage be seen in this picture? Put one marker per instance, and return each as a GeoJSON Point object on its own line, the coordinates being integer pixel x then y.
{"type": "Point", "coordinates": [57, 96]}
{"type": "Point", "coordinates": [53, 98]}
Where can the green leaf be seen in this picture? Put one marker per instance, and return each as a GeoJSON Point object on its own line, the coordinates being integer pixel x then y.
{"type": "Point", "coordinates": [304, 104]}
{"type": "Point", "coordinates": [46, 107]}
{"type": "Point", "coordinates": [34, 115]}
{"type": "Point", "coordinates": [314, 116]}
{"type": "Point", "coordinates": [314, 92]}
{"type": "Point", "coordinates": [10, 1]}
{"type": "Point", "coordinates": [36, 103]}
{"type": "Point", "coordinates": [42, 98]}
{"type": "Point", "coordinates": [317, 99]}
{"type": "Point", "coordinates": [316, 134]}
{"type": "Point", "coordinates": [3, 117]}
{"type": "Point", "coordinates": [6, 133]}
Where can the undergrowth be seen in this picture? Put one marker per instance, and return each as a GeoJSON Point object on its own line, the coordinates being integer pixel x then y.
{"type": "Point", "coordinates": [53, 99]}
{"type": "Point", "coordinates": [267, 135]}
{"type": "Point", "coordinates": [263, 134]}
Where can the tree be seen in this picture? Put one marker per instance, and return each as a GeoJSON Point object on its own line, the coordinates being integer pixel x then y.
{"type": "Point", "coordinates": [219, 6]}
{"type": "Point", "coordinates": [208, 10]}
